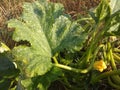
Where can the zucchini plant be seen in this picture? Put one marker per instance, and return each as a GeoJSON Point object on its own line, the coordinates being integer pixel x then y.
{"type": "Point", "coordinates": [47, 31]}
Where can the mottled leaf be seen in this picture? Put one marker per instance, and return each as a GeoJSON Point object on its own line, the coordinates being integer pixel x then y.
{"type": "Point", "coordinates": [46, 30]}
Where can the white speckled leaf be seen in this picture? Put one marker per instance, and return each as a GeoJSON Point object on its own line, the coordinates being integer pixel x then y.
{"type": "Point", "coordinates": [48, 31]}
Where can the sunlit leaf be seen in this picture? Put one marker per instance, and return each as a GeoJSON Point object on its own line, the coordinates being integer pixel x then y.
{"type": "Point", "coordinates": [115, 5]}
{"type": "Point", "coordinates": [46, 30]}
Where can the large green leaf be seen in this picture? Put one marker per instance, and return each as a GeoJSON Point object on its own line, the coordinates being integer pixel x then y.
{"type": "Point", "coordinates": [47, 30]}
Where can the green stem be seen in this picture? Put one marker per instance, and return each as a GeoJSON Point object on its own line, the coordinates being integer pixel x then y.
{"type": "Point", "coordinates": [116, 56]}
{"type": "Point", "coordinates": [79, 70]}
{"type": "Point", "coordinates": [105, 74]}
{"type": "Point", "coordinates": [84, 19]}
{"type": "Point", "coordinates": [112, 84]}
{"type": "Point", "coordinates": [91, 48]}
{"type": "Point", "coordinates": [111, 57]}
{"type": "Point", "coordinates": [116, 50]}
{"type": "Point", "coordinates": [96, 37]}
{"type": "Point", "coordinates": [104, 52]}
{"type": "Point", "coordinates": [73, 69]}
{"type": "Point", "coordinates": [55, 60]}
{"type": "Point", "coordinates": [110, 73]}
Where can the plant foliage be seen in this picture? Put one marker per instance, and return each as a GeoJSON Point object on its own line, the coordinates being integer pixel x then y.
{"type": "Point", "coordinates": [48, 31]}
{"type": "Point", "coordinates": [48, 40]}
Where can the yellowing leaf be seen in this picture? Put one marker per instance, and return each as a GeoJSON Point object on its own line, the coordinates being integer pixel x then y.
{"type": "Point", "coordinates": [100, 65]}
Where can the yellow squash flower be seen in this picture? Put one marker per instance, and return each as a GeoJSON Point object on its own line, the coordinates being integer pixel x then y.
{"type": "Point", "coordinates": [100, 65]}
